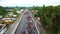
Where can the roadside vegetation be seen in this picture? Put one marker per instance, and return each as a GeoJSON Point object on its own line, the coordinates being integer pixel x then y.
{"type": "Point", "coordinates": [3, 11]}
{"type": "Point", "coordinates": [50, 16]}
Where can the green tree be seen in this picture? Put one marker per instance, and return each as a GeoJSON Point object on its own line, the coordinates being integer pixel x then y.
{"type": "Point", "coordinates": [2, 11]}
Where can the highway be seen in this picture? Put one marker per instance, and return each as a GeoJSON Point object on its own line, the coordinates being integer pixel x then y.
{"type": "Point", "coordinates": [26, 24]}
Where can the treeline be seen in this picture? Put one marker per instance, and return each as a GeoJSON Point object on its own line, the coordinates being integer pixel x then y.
{"type": "Point", "coordinates": [3, 11]}
{"type": "Point", "coordinates": [50, 18]}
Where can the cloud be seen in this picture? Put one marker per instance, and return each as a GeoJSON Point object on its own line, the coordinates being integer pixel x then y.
{"type": "Point", "coordinates": [29, 2]}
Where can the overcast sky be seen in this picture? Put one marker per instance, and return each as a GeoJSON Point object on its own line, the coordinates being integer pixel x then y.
{"type": "Point", "coordinates": [28, 3]}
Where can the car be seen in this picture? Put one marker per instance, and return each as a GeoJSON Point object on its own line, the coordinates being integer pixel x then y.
{"type": "Point", "coordinates": [22, 32]}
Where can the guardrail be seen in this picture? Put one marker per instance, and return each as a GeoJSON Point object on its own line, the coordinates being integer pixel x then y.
{"type": "Point", "coordinates": [14, 26]}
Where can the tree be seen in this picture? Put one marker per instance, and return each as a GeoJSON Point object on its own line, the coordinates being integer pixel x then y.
{"type": "Point", "coordinates": [2, 11]}
{"type": "Point", "coordinates": [51, 18]}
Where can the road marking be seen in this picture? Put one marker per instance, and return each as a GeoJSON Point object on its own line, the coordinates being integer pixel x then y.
{"type": "Point", "coordinates": [35, 24]}
{"type": "Point", "coordinates": [11, 30]}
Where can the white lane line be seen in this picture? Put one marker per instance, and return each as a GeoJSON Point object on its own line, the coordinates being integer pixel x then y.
{"type": "Point", "coordinates": [35, 24]}
{"type": "Point", "coordinates": [11, 30]}
{"type": "Point", "coordinates": [36, 27]}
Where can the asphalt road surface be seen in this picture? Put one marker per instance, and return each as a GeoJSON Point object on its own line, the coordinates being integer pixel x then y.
{"type": "Point", "coordinates": [22, 26]}
{"type": "Point", "coordinates": [26, 24]}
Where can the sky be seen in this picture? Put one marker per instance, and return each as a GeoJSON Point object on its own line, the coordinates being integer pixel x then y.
{"type": "Point", "coordinates": [29, 3]}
